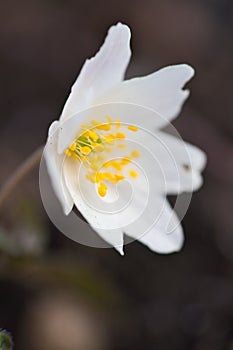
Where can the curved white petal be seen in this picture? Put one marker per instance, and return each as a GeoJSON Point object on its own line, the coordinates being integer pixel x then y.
{"type": "Point", "coordinates": [183, 171]}
{"type": "Point", "coordinates": [161, 91]}
{"type": "Point", "coordinates": [184, 152]}
{"type": "Point", "coordinates": [54, 163]}
{"type": "Point", "coordinates": [159, 238]}
{"type": "Point", "coordinates": [102, 72]}
{"type": "Point", "coordinates": [115, 238]}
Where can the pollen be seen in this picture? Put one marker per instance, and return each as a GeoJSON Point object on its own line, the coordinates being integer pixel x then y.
{"type": "Point", "coordinates": [92, 147]}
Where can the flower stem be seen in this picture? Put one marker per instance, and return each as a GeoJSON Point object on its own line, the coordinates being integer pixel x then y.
{"type": "Point", "coordinates": [20, 173]}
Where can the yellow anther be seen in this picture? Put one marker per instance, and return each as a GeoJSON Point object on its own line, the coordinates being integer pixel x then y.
{"type": "Point", "coordinates": [125, 161]}
{"type": "Point", "coordinates": [100, 176]}
{"type": "Point", "coordinates": [121, 146]}
{"type": "Point", "coordinates": [133, 174]}
{"type": "Point", "coordinates": [87, 147]}
{"type": "Point", "coordinates": [118, 124]}
{"type": "Point", "coordinates": [109, 139]}
{"type": "Point", "coordinates": [102, 189]}
{"type": "Point", "coordinates": [120, 135]}
{"type": "Point", "coordinates": [114, 164]}
{"type": "Point", "coordinates": [73, 146]}
{"type": "Point", "coordinates": [133, 128]}
{"type": "Point", "coordinates": [119, 177]}
{"type": "Point", "coordinates": [93, 135]}
{"type": "Point", "coordinates": [86, 134]}
{"type": "Point", "coordinates": [68, 153]}
{"type": "Point", "coordinates": [105, 127]}
{"type": "Point", "coordinates": [107, 164]}
{"type": "Point", "coordinates": [107, 176]}
{"type": "Point", "coordinates": [135, 154]}
{"type": "Point", "coordinates": [85, 150]}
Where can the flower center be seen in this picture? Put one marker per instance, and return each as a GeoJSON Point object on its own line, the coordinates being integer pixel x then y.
{"type": "Point", "coordinates": [93, 143]}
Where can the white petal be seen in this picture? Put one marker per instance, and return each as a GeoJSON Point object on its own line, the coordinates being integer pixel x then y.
{"type": "Point", "coordinates": [159, 238]}
{"type": "Point", "coordinates": [182, 164]}
{"type": "Point", "coordinates": [184, 152]}
{"type": "Point", "coordinates": [161, 91]}
{"type": "Point", "coordinates": [102, 72]}
{"type": "Point", "coordinates": [113, 237]}
{"type": "Point", "coordinates": [54, 164]}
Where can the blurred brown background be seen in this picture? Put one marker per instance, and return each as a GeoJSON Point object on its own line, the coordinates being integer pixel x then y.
{"type": "Point", "coordinates": [56, 294]}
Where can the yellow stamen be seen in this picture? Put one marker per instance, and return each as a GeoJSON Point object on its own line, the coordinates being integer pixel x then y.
{"type": "Point", "coordinates": [135, 154]}
{"type": "Point", "coordinates": [85, 150]}
{"type": "Point", "coordinates": [105, 127]}
{"type": "Point", "coordinates": [120, 135]}
{"type": "Point", "coordinates": [132, 128]}
{"type": "Point", "coordinates": [68, 153]}
{"type": "Point", "coordinates": [94, 139]}
{"type": "Point", "coordinates": [73, 146]}
{"type": "Point", "coordinates": [109, 119]}
{"type": "Point", "coordinates": [109, 139]}
{"type": "Point", "coordinates": [102, 189]}
{"type": "Point", "coordinates": [133, 174]}
{"type": "Point", "coordinates": [114, 164]}
{"type": "Point", "coordinates": [118, 124]}
{"type": "Point", "coordinates": [119, 177]}
{"type": "Point", "coordinates": [93, 135]}
{"type": "Point", "coordinates": [125, 161]}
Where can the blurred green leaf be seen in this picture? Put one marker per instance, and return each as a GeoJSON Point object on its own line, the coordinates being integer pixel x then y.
{"type": "Point", "coordinates": [5, 341]}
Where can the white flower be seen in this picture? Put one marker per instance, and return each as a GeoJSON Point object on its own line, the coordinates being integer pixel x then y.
{"type": "Point", "coordinates": [109, 134]}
